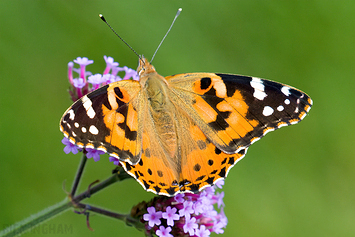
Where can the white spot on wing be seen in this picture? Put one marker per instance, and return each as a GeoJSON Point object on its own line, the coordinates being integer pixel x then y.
{"type": "Point", "coordinates": [280, 108]}
{"type": "Point", "coordinates": [267, 111]}
{"type": "Point", "coordinates": [287, 101]}
{"type": "Point", "coordinates": [286, 90]}
{"type": "Point", "coordinates": [83, 129]}
{"type": "Point", "coordinates": [76, 124]}
{"type": "Point", "coordinates": [88, 107]}
{"type": "Point", "coordinates": [259, 87]}
{"type": "Point", "coordinates": [93, 130]}
{"type": "Point", "coordinates": [71, 114]}
{"type": "Point", "coordinates": [220, 87]}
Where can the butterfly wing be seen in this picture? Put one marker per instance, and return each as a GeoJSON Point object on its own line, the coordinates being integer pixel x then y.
{"type": "Point", "coordinates": [234, 111]}
{"type": "Point", "coordinates": [196, 163]}
{"type": "Point", "coordinates": [107, 119]}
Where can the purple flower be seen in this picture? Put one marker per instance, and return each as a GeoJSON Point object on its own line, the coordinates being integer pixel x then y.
{"type": "Point", "coordinates": [217, 228]}
{"type": "Point", "coordinates": [95, 154]}
{"type": "Point", "coordinates": [116, 70]}
{"type": "Point", "coordinates": [114, 160]}
{"type": "Point", "coordinates": [69, 147]}
{"type": "Point", "coordinates": [179, 197]}
{"type": "Point", "coordinates": [202, 231]}
{"type": "Point", "coordinates": [198, 214]}
{"type": "Point", "coordinates": [82, 85]}
{"type": "Point", "coordinates": [219, 183]}
{"type": "Point", "coordinates": [170, 215]}
{"type": "Point", "coordinates": [70, 72]}
{"type": "Point", "coordinates": [187, 209]}
{"type": "Point", "coordinates": [83, 61]}
{"type": "Point", "coordinates": [219, 198]}
{"type": "Point", "coordinates": [110, 63]}
{"type": "Point", "coordinates": [78, 70]}
{"type": "Point", "coordinates": [111, 78]}
{"type": "Point", "coordinates": [152, 217]}
{"type": "Point", "coordinates": [79, 83]}
{"type": "Point", "coordinates": [95, 79]}
{"type": "Point", "coordinates": [190, 225]}
{"type": "Point", "coordinates": [164, 232]}
{"type": "Point", "coordinates": [130, 73]}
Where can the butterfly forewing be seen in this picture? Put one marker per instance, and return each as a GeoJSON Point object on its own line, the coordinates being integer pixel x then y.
{"type": "Point", "coordinates": [107, 120]}
{"type": "Point", "coordinates": [234, 111]}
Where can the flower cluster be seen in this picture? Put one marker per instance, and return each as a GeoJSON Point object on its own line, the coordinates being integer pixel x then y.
{"type": "Point", "coordinates": [187, 214]}
{"type": "Point", "coordinates": [85, 83]}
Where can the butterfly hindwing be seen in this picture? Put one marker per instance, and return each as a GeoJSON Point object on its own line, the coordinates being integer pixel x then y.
{"type": "Point", "coordinates": [195, 164]}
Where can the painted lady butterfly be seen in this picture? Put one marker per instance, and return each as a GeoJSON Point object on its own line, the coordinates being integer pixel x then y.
{"type": "Point", "coordinates": [183, 132]}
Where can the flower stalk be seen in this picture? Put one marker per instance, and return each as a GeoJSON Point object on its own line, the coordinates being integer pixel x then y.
{"type": "Point", "coordinates": [69, 202]}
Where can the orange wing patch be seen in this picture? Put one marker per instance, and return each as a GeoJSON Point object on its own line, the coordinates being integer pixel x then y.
{"type": "Point", "coordinates": [221, 116]}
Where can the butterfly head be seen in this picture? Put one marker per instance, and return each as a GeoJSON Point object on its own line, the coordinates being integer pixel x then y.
{"type": "Point", "coordinates": [144, 66]}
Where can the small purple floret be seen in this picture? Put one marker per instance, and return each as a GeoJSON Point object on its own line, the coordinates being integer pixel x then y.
{"type": "Point", "coordinates": [202, 232]}
{"type": "Point", "coordinates": [170, 215]}
{"type": "Point", "coordinates": [152, 217]}
{"type": "Point", "coordinates": [187, 210]}
{"type": "Point", "coordinates": [95, 154]}
{"type": "Point", "coordinates": [69, 147]}
{"type": "Point", "coordinates": [190, 225]}
{"type": "Point", "coordinates": [79, 83]}
{"type": "Point", "coordinates": [129, 73]}
{"type": "Point", "coordinates": [164, 232]}
{"type": "Point", "coordinates": [83, 61]}
{"type": "Point", "coordinates": [114, 160]}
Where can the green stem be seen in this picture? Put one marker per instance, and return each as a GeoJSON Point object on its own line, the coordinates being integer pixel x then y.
{"type": "Point", "coordinates": [79, 174]}
{"type": "Point", "coordinates": [50, 212]}
{"type": "Point", "coordinates": [36, 219]}
{"type": "Point", "coordinates": [128, 219]}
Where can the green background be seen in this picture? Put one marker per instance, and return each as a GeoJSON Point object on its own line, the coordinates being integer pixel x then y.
{"type": "Point", "coordinates": [298, 181]}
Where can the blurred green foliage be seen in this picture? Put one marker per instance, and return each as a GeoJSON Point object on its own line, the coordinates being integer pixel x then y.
{"type": "Point", "coordinates": [298, 181]}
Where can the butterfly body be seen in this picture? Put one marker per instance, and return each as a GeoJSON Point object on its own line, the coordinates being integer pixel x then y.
{"type": "Point", "coordinates": [184, 132]}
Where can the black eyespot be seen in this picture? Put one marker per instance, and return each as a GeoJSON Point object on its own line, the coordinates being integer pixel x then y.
{"type": "Point", "coordinates": [205, 83]}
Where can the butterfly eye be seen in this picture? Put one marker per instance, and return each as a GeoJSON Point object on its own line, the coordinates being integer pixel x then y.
{"type": "Point", "coordinates": [140, 70]}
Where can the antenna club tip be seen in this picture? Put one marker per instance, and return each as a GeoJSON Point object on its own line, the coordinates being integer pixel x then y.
{"type": "Point", "coordinates": [102, 17]}
{"type": "Point", "coordinates": [178, 12]}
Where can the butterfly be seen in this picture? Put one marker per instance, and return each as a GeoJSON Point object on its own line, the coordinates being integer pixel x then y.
{"type": "Point", "coordinates": [184, 132]}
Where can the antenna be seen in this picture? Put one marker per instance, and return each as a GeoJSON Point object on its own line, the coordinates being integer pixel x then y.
{"type": "Point", "coordinates": [176, 16]}
{"type": "Point", "coordinates": [104, 20]}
